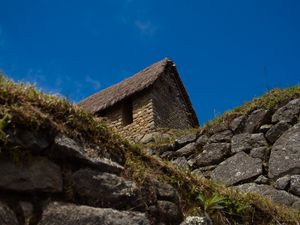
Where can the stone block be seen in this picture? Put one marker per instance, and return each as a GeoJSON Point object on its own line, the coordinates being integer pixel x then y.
{"type": "Point", "coordinates": [7, 216]}
{"type": "Point", "coordinates": [38, 175]}
{"type": "Point", "coordinates": [212, 154]}
{"type": "Point", "coordinates": [105, 189]}
{"type": "Point", "coordinates": [245, 142]}
{"type": "Point", "coordinates": [237, 168]}
{"type": "Point", "coordinates": [256, 119]}
{"type": "Point", "coordinates": [287, 113]}
{"type": "Point", "coordinates": [277, 196]}
{"type": "Point", "coordinates": [285, 153]}
{"type": "Point", "coordinates": [69, 214]}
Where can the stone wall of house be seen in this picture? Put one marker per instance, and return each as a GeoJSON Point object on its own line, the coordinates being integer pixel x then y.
{"type": "Point", "coordinates": [143, 119]}
{"type": "Point", "coordinates": [170, 110]}
{"type": "Point", "coordinates": [160, 106]}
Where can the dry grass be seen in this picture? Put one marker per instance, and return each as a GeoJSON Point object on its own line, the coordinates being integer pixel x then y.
{"type": "Point", "coordinates": [23, 105]}
{"type": "Point", "coordinates": [243, 208]}
{"type": "Point", "coordinates": [266, 101]}
{"type": "Point", "coordinates": [28, 107]}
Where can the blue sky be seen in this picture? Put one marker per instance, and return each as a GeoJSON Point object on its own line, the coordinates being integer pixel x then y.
{"type": "Point", "coordinates": [227, 52]}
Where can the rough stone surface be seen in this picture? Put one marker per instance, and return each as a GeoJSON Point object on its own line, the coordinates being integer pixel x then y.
{"type": "Point", "coordinates": [207, 168]}
{"type": "Point", "coordinates": [261, 180]}
{"type": "Point", "coordinates": [276, 131]}
{"type": "Point", "coordinates": [202, 140]}
{"type": "Point", "coordinates": [39, 174]}
{"type": "Point", "coordinates": [212, 154]}
{"type": "Point", "coordinates": [295, 185]}
{"type": "Point", "coordinates": [196, 220]}
{"type": "Point", "coordinates": [237, 168]}
{"type": "Point", "coordinates": [245, 142]}
{"type": "Point", "coordinates": [218, 128]}
{"type": "Point", "coordinates": [167, 155]}
{"type": "Point", "coordinates": [180, 142]}
{"type": "Point", "coordinates": [276, 195]}
{"type": "Point", "coordinates": [27, 209]}
{"type": "Point", "coordinates": [104, 164]}
{"type": "Point", "coordinates": [7, 216]}
{"type": "Point", "coordinates": [182, 163]}
{"type": "Point", "coordinates": [148, 138]}
{"type": "Point", "coordinates": [32, 140]}
{"type": "Point", "coordinates": [287, 113]}
{"type": "Point", "coordinates": [186, 150]}
{"type": "Point", "coordinates": [262, 153]}
{"type": "Point", "coordinates": [256, 119]}
{"type": "Point", "coordinates": [285, 153]}
{"type": "Point", "coordinates": [104, 189]}
{"type": "Point", "coordinates": [237, 124]}
{"type": "Point", "coordinates": [169, 212]}
{"type": "Point", "coordinates": [69, 214]}
{"type": "Point", "coordinates": [296, 205]}
{"type": "Point", "coordinates": [224, 136]}
{"type": "Point", "coordinates": [67, 149]}
{"type": "Point", "coordinates": [152, 137]}
{"type": "Point", "coordinates": [282, 182]}
{"type": "Point", "coordinates": [166, 192]}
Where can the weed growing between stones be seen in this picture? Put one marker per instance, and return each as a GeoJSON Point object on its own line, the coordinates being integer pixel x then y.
{"type": "Point", "coordinates": [211, 205]}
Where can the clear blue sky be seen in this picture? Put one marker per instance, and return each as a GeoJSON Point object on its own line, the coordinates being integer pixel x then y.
{"type": "Point", "coordinates": [227, 52]}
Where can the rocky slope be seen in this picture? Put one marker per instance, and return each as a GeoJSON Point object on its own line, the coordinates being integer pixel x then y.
{"type": "Point", "coordinates": [257, 151]}
{"type": "Point", "coordinates": [61, 165]}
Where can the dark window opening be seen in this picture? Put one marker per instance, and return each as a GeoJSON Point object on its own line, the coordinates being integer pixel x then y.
{"type": "Point", "coordinates": [101, 113]}
{"type": "Point", "coordinates": [127, 114]}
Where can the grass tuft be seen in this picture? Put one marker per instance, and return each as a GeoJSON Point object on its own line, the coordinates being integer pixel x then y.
{"type": "Point", "coordinates": [34, 109]}
{"type": "Point", "coordinates": [267, 101]}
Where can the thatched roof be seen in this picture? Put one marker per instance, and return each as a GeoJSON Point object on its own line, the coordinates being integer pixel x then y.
{"type": "Point", "coordinates": [135, 84]}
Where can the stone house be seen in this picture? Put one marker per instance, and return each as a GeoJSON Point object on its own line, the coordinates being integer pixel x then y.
{"type": "Point", "coordinates": [151, 99]}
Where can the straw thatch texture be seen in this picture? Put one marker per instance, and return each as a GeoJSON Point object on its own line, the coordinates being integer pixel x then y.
{"type": "Point", "coordinates": [126, 88]}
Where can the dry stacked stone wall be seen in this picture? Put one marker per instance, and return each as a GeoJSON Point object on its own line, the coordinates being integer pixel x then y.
{"type": "Point", "coordinates": [258, 152]}
{"type": "Point", "coordinates": [170, 110]}
{"type": "Point", "coordinates": [49, 178]}
{"type": "Point", "coordinates": [142, 114]}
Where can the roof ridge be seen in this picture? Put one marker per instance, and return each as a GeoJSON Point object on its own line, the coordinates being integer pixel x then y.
{"type": "Point", "coordinates": [135, 83]}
